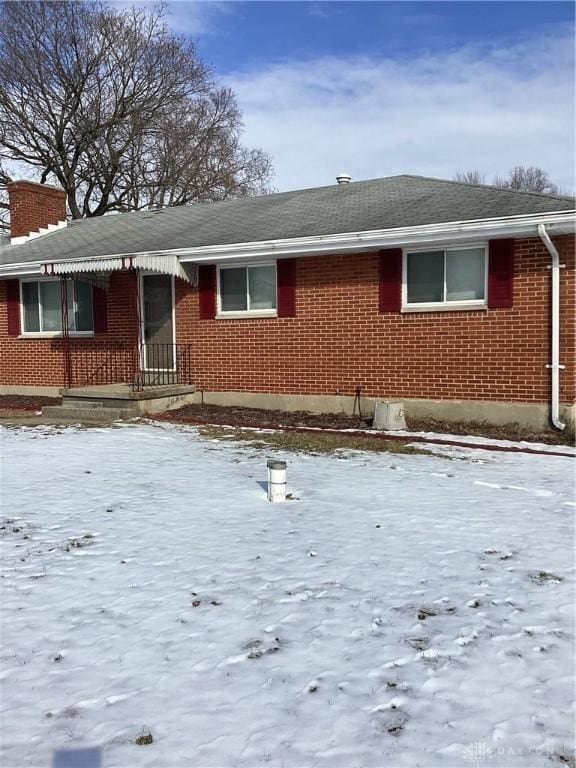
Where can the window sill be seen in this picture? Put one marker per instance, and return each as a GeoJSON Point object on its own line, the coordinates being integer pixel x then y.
{"type": "Point", "coordinates": [445, 308]}
{"type": "Point", "coordinates": [48, 335]}
{"type": "Point", "coordinates": [246, 315]}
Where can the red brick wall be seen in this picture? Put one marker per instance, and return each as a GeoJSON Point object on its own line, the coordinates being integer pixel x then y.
{"type": "Point", "coordinates": [33, 206]}
{"type": "Point", "coordinates": [28, 361]}
{"type": "Point", "coordinates": [338, 340]}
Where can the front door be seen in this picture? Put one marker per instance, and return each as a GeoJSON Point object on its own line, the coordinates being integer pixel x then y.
{"type": "Point", "coordinates": [157, 323]}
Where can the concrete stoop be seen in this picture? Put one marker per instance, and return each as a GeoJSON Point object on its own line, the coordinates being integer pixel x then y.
{"type": "Point", "coordinates": [75, 413]}
{"type": "Point", "coordinates": [117, 402]}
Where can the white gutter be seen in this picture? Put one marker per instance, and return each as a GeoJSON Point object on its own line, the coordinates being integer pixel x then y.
{"type": "Point", "coordinates": [516, 226]}
{"type": "Point", "coordinates": [554, 366]}
{"type": "Point", "coordinates": [458, 231]}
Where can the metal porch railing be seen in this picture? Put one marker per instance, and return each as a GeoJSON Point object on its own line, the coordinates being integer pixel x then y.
{"type": "Point", "coordinates": [163, 364]}
{"type": "Point", "coordinates": [97, 363]}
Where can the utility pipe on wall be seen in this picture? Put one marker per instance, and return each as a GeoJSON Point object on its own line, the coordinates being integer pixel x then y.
{"type": "Point", "coordinates": [554, 366]}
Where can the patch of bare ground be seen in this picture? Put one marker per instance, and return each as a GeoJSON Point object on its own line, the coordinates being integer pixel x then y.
{"type": "Point", "coordinates": [481, 429]}
{"type": "Point", "coordinates": [260, 417]}
{"type": "Point", "coordinates": [565, 757]}
{"type": "Point", "coordinates": [26, 402]}
{"type": "Point", "coordinates": [307, 442]}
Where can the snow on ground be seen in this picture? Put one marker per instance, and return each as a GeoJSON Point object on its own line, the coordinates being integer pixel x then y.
{"type": "Point", "coordinates": [403, 610]}
{"type": "Point", "coordinates": [525, 445]}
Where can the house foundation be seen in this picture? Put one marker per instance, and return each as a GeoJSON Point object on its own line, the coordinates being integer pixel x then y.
{"type": "Point", "coordinates": [533, 416]}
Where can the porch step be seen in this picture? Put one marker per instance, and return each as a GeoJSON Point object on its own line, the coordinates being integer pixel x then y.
{"type": "Point", "coordinates": [88, 413]}
{"type": "Point", "coordinates": [125, 393]}
{"type": "Point", "coordinates": [100, 403]}
{"type": "Point", "coordinates": [114, 402]}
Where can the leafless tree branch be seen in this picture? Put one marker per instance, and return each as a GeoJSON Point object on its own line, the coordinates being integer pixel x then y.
{"type": "Point", "coordinates": [524, 178]}
{"type": "Point", "coordinates": [117, 110]}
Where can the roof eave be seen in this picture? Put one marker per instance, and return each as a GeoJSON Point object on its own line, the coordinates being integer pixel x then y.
{"type": "Point", "coordinates": [513, 226]}
{"type": "Point", "coordinates": [561, 222]}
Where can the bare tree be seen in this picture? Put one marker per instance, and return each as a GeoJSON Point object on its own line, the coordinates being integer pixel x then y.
{"type": "Point", "coordinates": [528, 179]}
{"type": "Point", "coordinates": [195, 156]}
{"type": "Point", "coordinates": [524, 178]}
{"type": "Point", "coordinates": [4, 202]}
{"type": "Point", "coordinates": [470, 177]}
{"type": "Point", "coordinates": [117, 110]}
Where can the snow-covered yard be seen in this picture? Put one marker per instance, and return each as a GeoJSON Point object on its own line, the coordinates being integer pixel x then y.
{"type": "Point", "coordinates": [403, 610]}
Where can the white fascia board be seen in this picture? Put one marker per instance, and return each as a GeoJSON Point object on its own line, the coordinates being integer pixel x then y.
{"type": "Point", "coordinates": [20, 270]}
{"type": "Point", "coordinates": [458, 231]}
{"type": "Point", "coordinates": [523, 226]}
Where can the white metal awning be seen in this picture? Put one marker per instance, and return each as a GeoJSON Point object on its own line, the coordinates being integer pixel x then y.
{"type": "Point", "coordinates": [165, 265]}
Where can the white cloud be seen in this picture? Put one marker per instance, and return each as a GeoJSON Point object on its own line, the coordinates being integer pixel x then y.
{"type": "Point", "coordinates": [436, 114]}
{"type": "Point", "coordinates": [197, 18]}
{"type": "Point", "coordinates": [185, 17]}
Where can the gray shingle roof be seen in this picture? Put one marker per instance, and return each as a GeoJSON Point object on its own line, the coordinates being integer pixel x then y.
{"type": "Point", "coordinates": [388, 203]}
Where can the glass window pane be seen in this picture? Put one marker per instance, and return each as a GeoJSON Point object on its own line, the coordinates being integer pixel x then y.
{"type": "Point", "coordinates": [30, 302]}
{"type": "Point", "coordinates": [51, 308]}
{"type": "Point", "coordinates": [233, 289]}
{"type": "Point", "coordinates": [262, 287]}
{"type": "Point", "coordinates": [83, 314]}
{"type": "Point", "coordinates": [465, 274]}
{"type": "Point", "coordinates": [425, 277]}
{"type": "Point", "coordinates": [69, 302]}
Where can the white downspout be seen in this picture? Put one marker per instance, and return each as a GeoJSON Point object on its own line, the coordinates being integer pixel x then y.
{"type": "Point", "coordinates": [554, 366]}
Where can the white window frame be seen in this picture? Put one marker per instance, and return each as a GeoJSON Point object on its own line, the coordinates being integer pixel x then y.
{"type": "Point", "coordinates": [48, 334]}
{"type": "Point", "coordinates": [242, 313]}
{"type": "Point", "coordinates": [443, 306]}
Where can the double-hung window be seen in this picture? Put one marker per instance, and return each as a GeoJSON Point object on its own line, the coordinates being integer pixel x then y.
{"type": "Point", "coordinates": [249, 290]}
{"type": "Point", "coordinates": [42, 306]}
{"type": "Point", "coordinates": [445, 277]}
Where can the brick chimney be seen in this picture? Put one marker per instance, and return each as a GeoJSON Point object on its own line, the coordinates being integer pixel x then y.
{"type": "Point", "coordinates": [33, 206]}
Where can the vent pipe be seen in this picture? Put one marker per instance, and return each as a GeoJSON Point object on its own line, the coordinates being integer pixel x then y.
{"type": "Point", "coordinates": [276, 480]}
{"type": "Point", "coordinates": [343, 178]}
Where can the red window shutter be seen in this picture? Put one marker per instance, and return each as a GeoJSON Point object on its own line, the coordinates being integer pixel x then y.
{"type": "Point", "coordinates": [286, 284]}
{"type": "Point", "coordinates": [207, 291]}
{"type": "Point", "coordinates": [13, 307]}
{"type": "Point", "coordinates": [500, 273]}
{"type": "Point", "coordinates": [391, 280]}
{"type": "Point", "coordinates": [100, 310]}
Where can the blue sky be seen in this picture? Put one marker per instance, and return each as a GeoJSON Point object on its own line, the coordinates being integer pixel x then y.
{"type": "Point", "coordinates": [244, 35]}
{"type": "Point", "coordinates": [375, 88]}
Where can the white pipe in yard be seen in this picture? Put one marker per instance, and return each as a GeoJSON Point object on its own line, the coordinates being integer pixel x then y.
{"type": "Point", "coordinates": [276, 480]}
{"type": "Point", "coordinates": [554, 365]}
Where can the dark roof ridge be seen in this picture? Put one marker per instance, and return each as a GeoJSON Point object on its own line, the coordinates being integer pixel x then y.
{"type": "Point", "coordinates": [247, 198]}
{"type": "Point", "coordinates": [297, 191]}
{"type": "Point", "coordinates": [539, 195]}
{"type": "Point", "coordinates": [484, 186]}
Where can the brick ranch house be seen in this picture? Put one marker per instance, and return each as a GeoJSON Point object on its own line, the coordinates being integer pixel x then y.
{"type": "Point", "coordinates": [456, 299]}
